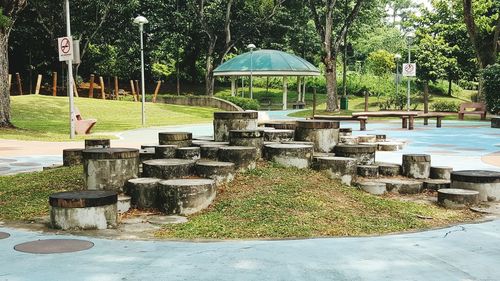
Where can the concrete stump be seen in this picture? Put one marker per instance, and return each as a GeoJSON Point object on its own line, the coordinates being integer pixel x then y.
{"type": "Point", "coordinates": [495, 122]}
{"type": "Point", "coordinates": [191, 153]}
{"type": "Point", "coordinates": [348, 140]}
{"type": "Point", "coordinates": [453, 198]}
{"type": "Point", "coordinates": [380, 138]}
{"type": "Point", "coordinates": [389, 146]}
{"type": "Point", "coordinates": [109, 168]}
{"type": "Point", "coordinates": [97, 143]}
{"type": "Point", "coordinates": [199, 143]}
{"type": "Point", "coordinates": [403, 186]}
{"type": "Point", "coordinates": [324, 134]}
{"type": "Point", "coordinates": [146, 154]}
{"type": "Point", "coordinates": [375, 188]}
{"type": "Point", "coordinates": [279, 135]}
{"type": "Point", "coordinates": [365, 154]}
{"type": "Point", "coordinates": [186, 196]}
{"type": "Point", "coordinates": [281, 124]}
{"type": "Point", "coordinates": [123, 204]}
{"type": "Point", "coordinates": [441, 173]}
{"type": "Point", "coordinates": [367, 171]}
{"type": "Point", "coordinates": [243, 157]}
{"type": "Point", "coordinates": [220, 172]}
{"type": "Point", "coordinates": [85, 210]}
{"type": "Point", "coordinates": [209, 151]}
{"type": "Point", "coordinates": [233, 120]}
{"type": "Point", "coordinates": [432, 184]}
{"type": "Point", "coordinates": [337, 168]}
{"type": "Point", "coordinates": [389, 170]}
{"type": "Point", "coordinates": [367, 139]}
{"type": "Point", "coordinates": [290, 155]}
{"type": "Point", "coordinates": [168, 168]}
{"type": "Point", "coordinates": [181, 139]}
{"type": "Point", "coordinates": [165, 151]}
{"type": "Point", "coordinates": [253, 138]}
{"type": "Point", "coordinates": [143, 193]}
{"type": "Point", "coordinates": [416, 166]}
{"type": "Point", "coordinates": [72, 157]}
{"type": "Point", "coordinates": [487, 183]}
{"type": "Point", "coordinates": [345, 132]}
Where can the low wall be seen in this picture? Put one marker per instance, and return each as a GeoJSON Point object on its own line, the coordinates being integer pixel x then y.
{"type": "Point", "coordinates": [201, 101]}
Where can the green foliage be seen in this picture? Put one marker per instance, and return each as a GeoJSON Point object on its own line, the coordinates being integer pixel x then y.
{"type": "Point", "coordinates": [381, 62]}
{"type": "Point", "coordinates": [491, 87]}
{"type": "Point", "coordinates": [445, 106]}
{"type": "Point", "coordinates": [4, 20]}
{"type": "Point", "coordinates": [106, 59]}
{"type": "Point", "coordinates": [160, 70]}
{"type": "Point", "coordinates": [431, 57]}
{"type": "Point", "coordinates": [245, 103]}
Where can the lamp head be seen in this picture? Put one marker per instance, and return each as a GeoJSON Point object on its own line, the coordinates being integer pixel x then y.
{"type": "Point", "coordinates": [140, 20]}
{"type": "Point", "coordinates": [397, 57]}
{"type": "Point", "coordinates": [251, 46]}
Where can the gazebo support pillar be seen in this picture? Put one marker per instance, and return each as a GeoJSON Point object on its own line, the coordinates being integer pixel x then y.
{"type": "Point", "coordinates": [285, 92]}
{"type": "Point", "coordinates": [304, 90]}
{"type": "Point", "coordinates": [299, 89]}
{"type": "Point", "coordinates": [233, 86]}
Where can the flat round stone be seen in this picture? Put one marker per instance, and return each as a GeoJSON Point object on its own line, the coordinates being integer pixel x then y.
{"type": "Point", "coordinates": [54, 246]}
{"type": "Point", "coordinates": [417, 157]}
{"type": "Point", "coordinates": [175, 136]}
{"type": "Point", "coordinates": [476, 176]}
{"type": "Point", "coordinates": [110, 153]}
{"type": "Point", "coordinates": [4, 235]}
{"type": "Point", "coordinates": [83, 199]}
{"type": "Point", "coordinates": [318, 124]}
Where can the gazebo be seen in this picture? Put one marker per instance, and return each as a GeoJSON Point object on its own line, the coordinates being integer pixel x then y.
{"type": "Point", "coordinates": [268, 63]}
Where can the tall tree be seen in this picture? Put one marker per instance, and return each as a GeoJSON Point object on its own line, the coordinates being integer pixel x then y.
{"type": "Point", "coordinates": [9, 10]}
{"type": "Point", "coordinates": [332, 33]}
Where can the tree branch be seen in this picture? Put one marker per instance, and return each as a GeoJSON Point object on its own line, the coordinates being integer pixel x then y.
{"type": "Point", "coordinates": [347, 23]}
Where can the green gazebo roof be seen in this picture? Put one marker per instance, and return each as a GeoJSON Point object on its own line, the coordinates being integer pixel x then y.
{"type": "Point", "coordinates": [266, 63]}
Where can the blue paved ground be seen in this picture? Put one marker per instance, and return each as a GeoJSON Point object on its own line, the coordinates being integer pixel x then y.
{"type": "Point", "coordinates": [468, 252]}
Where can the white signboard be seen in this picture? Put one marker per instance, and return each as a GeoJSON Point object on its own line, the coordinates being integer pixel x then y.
{"type": "Point", "coordinates": [65, 47]}
{"type": "Point", "coordinates": [409, 69]}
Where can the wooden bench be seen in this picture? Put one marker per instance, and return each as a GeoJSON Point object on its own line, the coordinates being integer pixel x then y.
{"type": "Point", "coordinates": [479, 108]}
{"type": "Point", "coordinates": [409, 114]}
{"type": "Point", "coordinates": [83, 126]}
{"type": "Point", "coordinates": [361, 119]}
{"type": "Point", "coordinates": [439, 117]}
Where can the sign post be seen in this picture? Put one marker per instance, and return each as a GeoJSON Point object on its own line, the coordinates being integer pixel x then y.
{"type": "Point", "coordinates": [65, 47]}
{"type": "Point", "coordinates": [409, 70]}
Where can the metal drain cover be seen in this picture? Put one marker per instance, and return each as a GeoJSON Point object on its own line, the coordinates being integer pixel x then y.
{"type": "Point", "coordinates": [54, 246]}
{"type": "Point", "coordinates": [4, 235]}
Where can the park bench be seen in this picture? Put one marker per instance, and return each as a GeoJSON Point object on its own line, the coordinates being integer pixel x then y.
{"type": "Point", "coordinates": [361, 119]}
{"type": "Point", "coordinates": [478, 108]}
{"type": "Point", "coordinates": [83, 126]}
{"type": "Point", "coordinates": [439, 117]}
{"type": "Point", "coordinates": [409, 114]}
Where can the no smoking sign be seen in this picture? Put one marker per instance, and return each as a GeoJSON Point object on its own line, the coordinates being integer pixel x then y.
{"type": "Point", "coordinates": [409, 69]}
{"type": "Point", "coordinates": [65, 47]}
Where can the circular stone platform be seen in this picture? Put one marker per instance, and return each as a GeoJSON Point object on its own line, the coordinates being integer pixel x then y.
{"type": "Point", "coordinates": [243, 157]}
{"type": "Point", "coordinates": [278, 135]}
{"type": "Point", "coordinates": [403, 186]}
{"type": "Point", "coordinates": [97, 143]}
{"type": "Point", "coordinates": [191, 153]}
{"type": "Point", "coordinates": [186, 196]}
{"type": "Point", "coordinates": [433, 184]}
{"type": "Point", "coordinates": [369, 171]}
{"type": "Point", "coordinates": [281, 124]}
{"type": "Point", "coordinates": [454, 198]}
{"type": "Point", "coordinates": [375, 188]}
{"type": "Point", "coordinates": [253, 138]}
{"type": "Point", "coordinates": [4, 235]}
{"type": "Point", "coordinates": [233, 120]}
{"type": "Point", "coordinates": [165, 151]}
{"type": "Point", "coordinates": [168, 168]}
{"type": "Point", "coordinates": [324, 134]}
{"type": "Point", "coordinates": [181, 139]}
{"type": "Point", "coordinates": [388, 169]}
{"type": "Point", "coordinates": [487, 183]}
{"type": "Point", "coordinates": [143, 192]}
{"type": "Point", "coordinates": [72, 157]}
{"type": "Point", "coordinates": [365, 154]}
{"type": "Point", "coordinates": [54, 246]}
{"type": "Point", "coordinates": [441, 173]}
{"type": "Point", "coordinates": [367, 139]}
{"type": "Point", "coordinates": [342, 168]}
{"type": "Point", "coordinates": [220, 172]}
{"type": "Point", "coordinates": [209, 151]}
{"type": "Point", "coordinates": [416, 166]}
{"type": "Point", "coordinates": [290, 155]}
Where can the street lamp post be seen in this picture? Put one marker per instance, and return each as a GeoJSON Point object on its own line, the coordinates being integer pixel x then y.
{"type": "Point", "coordinates": [141, 21]}
{"type": "Point", "coordinates": [409, 38]}
{"type": "Point", "coordinates": [397, 57]}
{"type": "Point", "coordinates": [251, 47]}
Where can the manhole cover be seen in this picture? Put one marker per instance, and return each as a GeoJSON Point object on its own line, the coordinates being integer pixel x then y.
{"type": "Point", "coordinates": [6, 160]}
{"type": "Point", "coordinates": [25, 164]}
{"type": "Point", "coordinates": [54, 246]}
{"type": "Point", "coordinates": [4, 235]}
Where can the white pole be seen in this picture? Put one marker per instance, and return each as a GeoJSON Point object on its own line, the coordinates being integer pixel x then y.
{"type": "Point", "coordinates": [141, 28]}
{"type": "Point", "coordinates": [408, 93]}
{"type": "Point", "coordinates": [70, 78]}
{"type": "Point", "coordinates": [251, 73]}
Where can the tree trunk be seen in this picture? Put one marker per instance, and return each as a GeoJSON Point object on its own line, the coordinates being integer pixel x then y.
{"type": "Point", "coordinates": [4, 74]}
{"type": "Point", "coordinates": [331, 83]}
{"type": "Point", "coordinates": [209, 75]}
{"type": "Point", "coordinates": [449, 86]}
{"type": "Point", "coordinates": [426, 96]}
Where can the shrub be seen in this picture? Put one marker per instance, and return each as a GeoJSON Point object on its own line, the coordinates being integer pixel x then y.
{"type": "Point", "coordinates": [381, 62]}
{"type": "Point", "coordinates": [491, 87]}
{"type": "Point", "coordinates": [245, 103]}
{"type": "Point", "coordinates": [445, 106]}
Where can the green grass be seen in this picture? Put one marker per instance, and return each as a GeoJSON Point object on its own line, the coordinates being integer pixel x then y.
{"type": "Point", "coordinates": [277, 202]}
{"type": "Point", "coordinates": [24, 197]}
{"type": "Point", "coordinates": [46, 117]}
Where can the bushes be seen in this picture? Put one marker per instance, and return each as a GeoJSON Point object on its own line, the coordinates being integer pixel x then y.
{"type": "Point", "coordinates": [491, 87]}
{"type": "Point", "coordinates": [445, 106]}
{"type": "Point", "coordinates": [245, 103]}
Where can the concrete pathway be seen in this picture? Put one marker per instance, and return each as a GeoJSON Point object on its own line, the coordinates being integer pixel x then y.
{"type": "Point", "coordinates": [465, 252]}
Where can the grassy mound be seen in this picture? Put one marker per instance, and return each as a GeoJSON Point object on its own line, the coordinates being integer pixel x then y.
{"type": "Point", "coordinates": [46, 118]}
